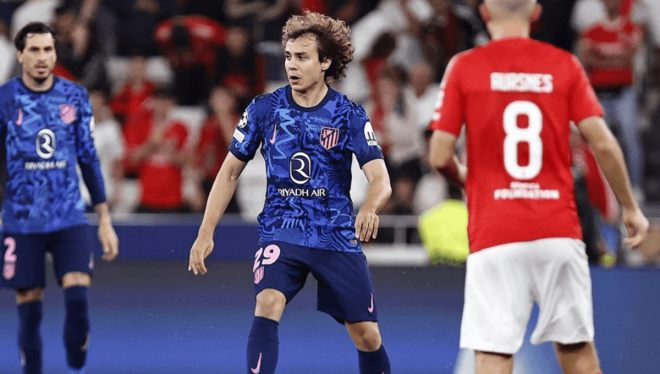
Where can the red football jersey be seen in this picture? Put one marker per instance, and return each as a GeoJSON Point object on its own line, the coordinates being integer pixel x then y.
{"type": "Point", "coordinates": [516, 97]}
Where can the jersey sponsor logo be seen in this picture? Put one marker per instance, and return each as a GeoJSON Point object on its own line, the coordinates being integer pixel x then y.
{"type": "Point", "coordinates": [300, 168]}
{"type": "Point", "coordinates": [302, 192]}
{"type": "Point", "coordinates": [20, 117]}
{"type": "Point", "coordinates": [370, 135]}
{"type": "Point", "coordinates": [244, 118]}
{"type": "Point", "coordinates": [528, 191]}
{"type": "Point", "coordinates": [45, 165]}
{"type": "Point", "coordinates": [371, 308]}
{"type": "Point", "coordinates": [329, 137]}
{"type": "Point", "coordinates": [239, 136]}
{"type": "Point", "coordinates": [68, 113]}
{"type": "Point", "coordinates": [46, 143]}
{"type": "Point", "coordinates": [521, 82]}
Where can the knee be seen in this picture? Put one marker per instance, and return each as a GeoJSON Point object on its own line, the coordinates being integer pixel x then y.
{"type": "Point", "coordinates": [270, 304]}
{"type": "Point", "coordinates": [571, 348]}
{"type": "Point", "coordinates": [26, 295]}
{"type": "Point", "coordinates": [365, 335]}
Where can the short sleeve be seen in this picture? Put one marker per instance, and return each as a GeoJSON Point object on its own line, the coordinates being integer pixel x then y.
{"type": "Point", "coordinates": [247, 137]}
{"type": "Point", "coordinates": [448, 115]}
{"type": "Point", "coordinates": [362, 141]}
{"type": "Point", "coordinates": [583, 102]}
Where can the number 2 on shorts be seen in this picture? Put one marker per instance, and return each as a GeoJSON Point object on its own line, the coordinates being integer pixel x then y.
{"type": "Point", "coordinates": [9, 269]}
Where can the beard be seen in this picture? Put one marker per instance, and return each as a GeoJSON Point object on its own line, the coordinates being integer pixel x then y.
{"type": "Point", "coordinates": [41, 80]}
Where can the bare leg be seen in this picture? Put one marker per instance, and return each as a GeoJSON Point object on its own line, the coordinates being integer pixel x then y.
{"type": "Point", "coordinates": [580, 358]}
{"type": "Point", "coordinates": [494, 363]}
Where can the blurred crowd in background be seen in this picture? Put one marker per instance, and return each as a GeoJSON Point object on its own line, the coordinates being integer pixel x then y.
{"type": "Point", "coordinates": [169, 80]}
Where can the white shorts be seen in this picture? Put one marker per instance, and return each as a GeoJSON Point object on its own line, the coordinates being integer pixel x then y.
{"type": "Point", "coordinates": [503, 282]}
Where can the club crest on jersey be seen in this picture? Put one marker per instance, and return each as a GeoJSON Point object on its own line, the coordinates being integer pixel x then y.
{"type": "Point", "coordinates": [329, 137]}
{"type": "Point", "coordinates": [68, 113]}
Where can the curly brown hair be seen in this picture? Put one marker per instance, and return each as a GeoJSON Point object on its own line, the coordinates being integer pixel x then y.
{"type": "Point", "coordinates": [333, 39]}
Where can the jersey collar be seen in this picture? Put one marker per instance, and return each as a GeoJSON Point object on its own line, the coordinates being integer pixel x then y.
{"type": "Point", "coordinates": [328, 96]}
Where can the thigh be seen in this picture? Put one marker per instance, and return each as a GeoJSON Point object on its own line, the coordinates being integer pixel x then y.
{"type": "Point", "coordinates": [563, 292]}
{"type": "Point", "coordinates": [72, 251]}
{"type": "Point", "coordinates": [280, 266]}
{"type": "Point", "coordinates": [23, 262]}
{"type": "Point", "coordinates": [345, 290]}
{"type": "Point", "coordinates": [498, 299]}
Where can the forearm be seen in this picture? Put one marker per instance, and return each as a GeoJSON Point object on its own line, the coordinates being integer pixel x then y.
{"type": "Point", "coordinates": [378, 194]}
{"type": "Point", "coordinates": [454, 171]}
{"type": "Point", "coordinates": [103, 212]}
{"type": "Point", "coordinates": [612, 163]}
{"type": "Point", "coordinates": [221, 193]}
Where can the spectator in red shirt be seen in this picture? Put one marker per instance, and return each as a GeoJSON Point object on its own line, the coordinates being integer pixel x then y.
{"type": "Point", "coordinates": [191, 45]}
{"type": "Point", "coordinates": [128, 106]}
{"type": "Point", "coordinates": [213, 145]}
{"type": "Point", "coordinates": [162, 159]}
{"type": "Point", "coordinates": [607, 49]}
{"type": "Point", "coordinates": [239, 67]}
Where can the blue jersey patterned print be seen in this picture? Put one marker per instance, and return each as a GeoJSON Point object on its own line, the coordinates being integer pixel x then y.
{"type": "Point", "coordinates": [308, 154]}
{"type": "Point", "coordinates": [44, 136]}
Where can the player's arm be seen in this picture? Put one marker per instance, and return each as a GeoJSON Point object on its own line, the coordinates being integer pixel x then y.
{"type": "Point", "coordinates": [221, 193]}
{"type": "Point", "coordinates": [610, 158]}
{"type": "Point", "coordinates": [90, 167]}
{"type": "Point", "coordinates": [366, 222]}
{"type": "Point", "coordinates": [443, 158]}
{"type": "Point", "coordinates": [107, 235]}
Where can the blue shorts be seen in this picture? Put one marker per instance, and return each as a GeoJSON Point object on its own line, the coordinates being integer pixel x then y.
{"type": "Point", "coordinates": [23, 259]}
{"type": "Point", "coordinates": [345, 291]}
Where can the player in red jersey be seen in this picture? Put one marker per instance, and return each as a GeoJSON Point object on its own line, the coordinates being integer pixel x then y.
{"type": "Point", "coordinates": [516, 97]}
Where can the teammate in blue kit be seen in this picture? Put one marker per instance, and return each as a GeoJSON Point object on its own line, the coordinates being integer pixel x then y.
{"type": "Point", "coordinates": [308, 134]}
{"type": "Point", "coordinates": [46, 129]}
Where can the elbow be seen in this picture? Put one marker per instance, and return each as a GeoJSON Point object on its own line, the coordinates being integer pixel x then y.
{"type": "Point", "coordinates": [439, 160]}
{"type": "Point", "coordinates": [387, 190]}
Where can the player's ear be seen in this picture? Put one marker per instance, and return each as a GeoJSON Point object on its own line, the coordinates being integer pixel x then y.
{"type": "Point", "coordinates": [19, 56]}
{"type": "Point", "coordinates": [485, 14]}
{"type": "Point", "coordinates": [325, 64]}
{"type": "Point", "coordinates": [536, 13]}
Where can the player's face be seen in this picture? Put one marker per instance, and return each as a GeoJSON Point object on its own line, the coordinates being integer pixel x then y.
{"type": "Point", "coordinates": [38, 57]}
{"type": "Point", "coordinates": [303, 68]}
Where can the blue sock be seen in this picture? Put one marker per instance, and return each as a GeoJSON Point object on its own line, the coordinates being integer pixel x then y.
{"type": "Point", "coordinates": [374, 362]}
{"type": "Point", "coordinates": [76, 326]}
{"type": "Point", "coordinates": [263, 346]}
{"type": "Point", "coordinates": [29, 337]}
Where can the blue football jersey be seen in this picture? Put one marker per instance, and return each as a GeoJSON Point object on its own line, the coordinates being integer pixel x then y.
{"type": "Point", "coordinates": [44, 136]}
{"type": "Point", "coordinates": [308, 154]}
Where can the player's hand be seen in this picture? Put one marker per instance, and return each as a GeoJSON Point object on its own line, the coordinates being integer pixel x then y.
{"type": "Point", "coordinates": [109, 240]}
{"type": "Point", "coordinates": [201, 249]}
{"type": "Point", "coordinates": [366, 225]}
{"type": "Point", "coordinates": [637, 226]}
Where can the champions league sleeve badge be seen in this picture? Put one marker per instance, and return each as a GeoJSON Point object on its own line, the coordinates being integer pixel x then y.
{"type": "Point", "coordinates": [68, 113]}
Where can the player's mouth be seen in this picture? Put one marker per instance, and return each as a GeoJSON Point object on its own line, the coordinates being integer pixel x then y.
{"type": "Point", "coordinates": [42, 68]}
{"type": "Point", "coordinates": [294, 79]}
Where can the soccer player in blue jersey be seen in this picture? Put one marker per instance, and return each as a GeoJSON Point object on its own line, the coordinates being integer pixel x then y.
{"type": "Point", "coordinates": [46, 129]}
{"type": "Point", "coordinates": [308, 134]}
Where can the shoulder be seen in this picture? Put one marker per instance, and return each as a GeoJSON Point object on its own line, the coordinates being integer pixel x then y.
{"type": "Point", "coordinates": [71, 89]}
{"type": "Point", "coordinates": [343, 103]}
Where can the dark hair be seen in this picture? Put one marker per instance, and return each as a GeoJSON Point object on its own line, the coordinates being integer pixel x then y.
{"type": "Point", "coordinates": [31, 28]}
{"type": "Point", "coordinates": [333, 40]}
